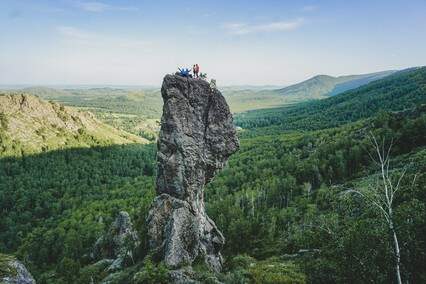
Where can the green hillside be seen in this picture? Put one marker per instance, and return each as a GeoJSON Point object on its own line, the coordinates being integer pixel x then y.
{"type": "Point", "coordinates": [242, 99]}
{"type": "Point", "coordinates": [282, 195]}
{"type": "Point", "coordinates": [138, 110]}
{"type": "Point", "coordinates": [133, 110]}
{"type": "Point", "coordinates": [362, 80]}
{"type": "Point", "coordinates": [400, 91]}
{"type": "Point", "coordinates": [321, 86]}
{"type": "Point", "coordinates": [30, 125]}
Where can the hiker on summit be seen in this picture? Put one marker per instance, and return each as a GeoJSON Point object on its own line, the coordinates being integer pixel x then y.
{"type": "Point", "coordinates": [186, 72]}
{"type": "Point", "coordinates": [196, 70]}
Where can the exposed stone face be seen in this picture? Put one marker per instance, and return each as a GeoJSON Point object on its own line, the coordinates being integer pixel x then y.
{"type": "Point", "coordinates": [118, 244]}
{"type": "Point", "coordinates": [196, 139]}
{"type": "Point", "coordinates": [13, 271]}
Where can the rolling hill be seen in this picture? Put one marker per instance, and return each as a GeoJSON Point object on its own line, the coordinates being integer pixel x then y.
{"type": "Point", "coordinates": [322, 86]}
{"type": "Point", "coordinates": [32, 125]}
{"type": "Point", "coordinates": [130, 109]}
{"type": "Point", "coordinates": [402, 90]}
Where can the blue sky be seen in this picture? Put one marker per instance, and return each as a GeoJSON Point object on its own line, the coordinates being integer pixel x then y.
{"type": "Point", "coordinates": [237, 42]}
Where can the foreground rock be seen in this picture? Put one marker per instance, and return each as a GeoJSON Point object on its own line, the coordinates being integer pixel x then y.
{"type": "Point", "coordinates": [13, 272]}
{"type": "Point", "coordinates": [196, 139]}
{"type": "Point", "coordinates": [117, 246]}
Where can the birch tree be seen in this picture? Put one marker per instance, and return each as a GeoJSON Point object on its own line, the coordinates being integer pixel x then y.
{"type": "Point", "coordinates": [381, 194]}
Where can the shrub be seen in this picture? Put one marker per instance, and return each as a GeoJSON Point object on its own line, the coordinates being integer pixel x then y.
{"type": "Point", "coordinates": [275, 272]}
{"type": "Point", "coordinates": [152, 274]}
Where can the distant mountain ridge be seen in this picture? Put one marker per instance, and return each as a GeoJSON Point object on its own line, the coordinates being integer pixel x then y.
{"type": "Point", "coordinates": [322, 86]}
{"type": "Point", "coordinates": [30, 125]}
{"type": "Point", "coordinates": [402, 90]}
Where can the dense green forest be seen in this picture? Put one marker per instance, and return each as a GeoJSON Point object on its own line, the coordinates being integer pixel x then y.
{"type": "Point", "coordinates": [284, 203]}
{"type": "Point", "coordinates": [283, 193]}
{"type": "Point", "coordinates": [52, 203]}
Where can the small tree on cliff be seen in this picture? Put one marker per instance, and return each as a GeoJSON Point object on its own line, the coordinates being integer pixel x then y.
{"type": "Point", "coordinates": [381, 194]}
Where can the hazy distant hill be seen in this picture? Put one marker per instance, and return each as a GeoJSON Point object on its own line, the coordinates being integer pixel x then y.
{"type": "Point", "coordinates": [401, 90]}
{"type": "Point", "coordinates": [45, 92]}
{"type": "Point", "coordinates": [29, 124]}
{"type": "Point", "coordinates": [321, 86]}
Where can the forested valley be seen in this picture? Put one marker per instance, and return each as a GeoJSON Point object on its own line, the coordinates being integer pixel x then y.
{"type": "Point", "coordinates": [296, 202]}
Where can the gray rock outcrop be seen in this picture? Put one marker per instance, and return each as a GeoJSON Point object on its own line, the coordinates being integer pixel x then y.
{"type": "Point", "coordinates": [118, 245]}
{"type": "Point", "coordinates": [13, 271]}
{"type": "Point", "coordinates": [197, 137]}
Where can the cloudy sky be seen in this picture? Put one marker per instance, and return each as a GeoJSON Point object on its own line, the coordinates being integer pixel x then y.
{"type": "Point", "coordinates": [237, 42]}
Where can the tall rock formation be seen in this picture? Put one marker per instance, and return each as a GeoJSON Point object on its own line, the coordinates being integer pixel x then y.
{"type": "Point", "coordinates": [196, 139]}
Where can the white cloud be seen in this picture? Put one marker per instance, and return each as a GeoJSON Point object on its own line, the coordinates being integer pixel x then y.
{"type": "Point", "coordinates": [309, 8]}
{"type": "Point", "coordinates": [73, 33]}
{"type": "Point", "coordinates": [280, 26]}
{"type": "Point", "coordinates": [209, 14]}
{"type": "Point", "coordinates": [98, 7]}
{"type": "Point", "coordinates": [90, 39]}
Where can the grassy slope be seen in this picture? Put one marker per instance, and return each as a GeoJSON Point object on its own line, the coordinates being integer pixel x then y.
{"type": "Point", "coordinates": [133, 110]}
{"type": "Point", "coordinates": [31, 125]}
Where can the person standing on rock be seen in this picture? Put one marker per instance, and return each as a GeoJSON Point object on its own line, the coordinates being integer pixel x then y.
{"type": "Point", "coordinates": [196, 70]}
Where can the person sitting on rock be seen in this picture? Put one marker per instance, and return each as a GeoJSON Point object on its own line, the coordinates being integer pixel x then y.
{"type": "Point", "coordinates": [184, 72]}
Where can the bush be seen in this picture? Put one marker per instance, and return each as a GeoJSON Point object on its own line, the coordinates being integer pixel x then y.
{"type": "Point", "coordinates": [240, 276]}
{"type": "Point", "coordinates": [275, 272]}
{"type": "Point", "coordinates": [245, 269]}
{"type": "Point", "coordinates": [152, 274]}
{"type": "Point", "coordinates": [5, 268]}
{"type": "Point", "coordinates": [242, 261]}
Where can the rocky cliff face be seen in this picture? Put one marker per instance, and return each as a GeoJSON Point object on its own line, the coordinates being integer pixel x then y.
{"type": "Point", "coordinates": [196, 139]}
{"type": "Point", "coordinates": [13, 272]}
{"type": "Point", "coordinates": [117, 246]}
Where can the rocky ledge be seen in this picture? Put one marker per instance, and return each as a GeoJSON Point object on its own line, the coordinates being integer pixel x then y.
{"type": "Point", "coordinates": [197, 137]}
{"type": "Point", "coordinates": [13, 271]}
{"type": "Point", "coordinates": [117, 247]}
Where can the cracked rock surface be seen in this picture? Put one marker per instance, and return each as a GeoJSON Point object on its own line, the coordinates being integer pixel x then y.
{"type": "Point", "coordinates": [197, 137]}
